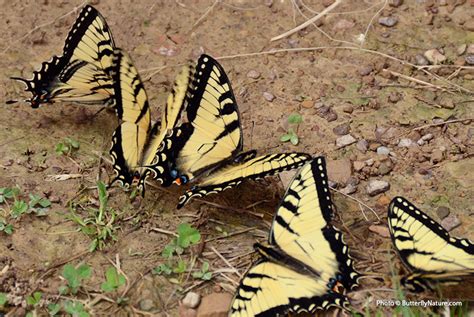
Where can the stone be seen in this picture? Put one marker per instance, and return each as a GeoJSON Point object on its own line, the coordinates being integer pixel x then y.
{"type": "Point", "coordinates": [383, 150]}
{"type": "Point", "coordinates": [395, 3]}
{"type": "Point", "coordinates": [347, 108]}
{"type": "Point", "coordinates": [146, 304]}
{"type": "Point", "coordinates": [434, 56]}
{"type": "Point", "coordinates": [366, 70]}
{"type": "Point", "coordinates": [342, 129]}
{"type": "Point", "coordinates": [421, 60]}
{"type": "Point", "coordinates": [358, 166]}
{"type": "Point", "coordinates": [362, 145]}
{"type": "Point", "coordinates": [345, 140]}
{"type": "Point", "coordinates": [394, 97]}
{"type": "Point", "coordinates": [405, 143]}
{"type": "Point", "coordinates": [450, 222]}
{"type": "Point", "coordinates": [436, 156]}
{"type": "Point", "coordinates": [191, 300]}
{"type": "Point", "coordinates": [388, 21]}
{"type": "Point", "coordinates": [349, 189]}
{"type": "Point", "coordinates": [253, 74]}
{"type": "Point", "coordinates": [215, 305]}
{"type": "Point", "coordinates": [339, 171]}
{"type": "Point", "coordinates": [343, 24]}
{"type": "Point", "coordinates": [385, 168]}
{"type": "Point", "coordinates": [461, 49]}
{"type": "Point", "coordinates": [307, 104]}
{"type": "Point", "coordinates": [268, 96]}
{"type": "Point", "coordinates": [469, 59]}
{"type": "Point", "coordinates": [380, 230]}
{"type": "Point", "coordinates": [376, 187]}
{"type": "Point", "coordinates": [442, 212]}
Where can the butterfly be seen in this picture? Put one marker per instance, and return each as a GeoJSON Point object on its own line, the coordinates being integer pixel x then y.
{"type": "Point", "coordinates": [306, 265]}
{"type": "Point", "coordinates": [209, 145]}
{"type": "Point", "coordinates": [426, 248]}
{"type": "Point", "coordinates": [81, 73]}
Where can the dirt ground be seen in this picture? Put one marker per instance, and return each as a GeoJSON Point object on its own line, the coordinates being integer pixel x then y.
{"type": "Point", "coordinates": [346, 74]}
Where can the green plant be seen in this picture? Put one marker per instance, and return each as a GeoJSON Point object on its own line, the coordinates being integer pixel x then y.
{"type": "Point", "coordinates": [66, 147]}
{"type": "Point", "coordinates": [34, 299]}
{"type": "Point", "coordinates": [39, 205]}
{"type": "Point", "coordinates": [76, 309]}
{"type": "Point", "coordinates": [3, 299]}
{"type": "Point", "coordinates": [74, 277]}
{"type": "Point", "coordinates": [7, 193]}
{"type": "Point", "coordinates": [5, 227]}
{"type": "Point", "coordinates": [99, 226]}
{"type": "Point", "coordinates": [53, 309]}
{"type": "Point", "coordinates": [294, 120]}
{"type": "Point", "coordinates": [204, 274]}
{"type": "Point", "coordinates": [113, 280]}
{"type": "Point", "coordinates": [186, 237]}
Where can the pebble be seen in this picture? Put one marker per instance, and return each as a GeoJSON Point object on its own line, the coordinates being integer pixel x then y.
{"type": "Point", "coordinates": [369, 162]}
{"type": "Point", "coordinates": [327, 113]}
{"type": "Point", "coordinates": [442, 212]}
{"type": "Point", "coordinates": [434, 56]}
{"type": "Point", "coordinates": [268, 96]}
{"type": "Point", "coordinates": [347, 108]}
{"type": "Point", "coordinates": [253, 74]}
{"type": "Point", "coordinates": [362, 145]}
{"type": "Point", "coordinates": [345, 140]}
{"type": "Point", "coordinates": [395, 3]}
{"type": "Point", "coordinates": [349, 189]}
{"type": "Point", "coordinates": [366, 70]}
{"type": "Point", "coordinates": [383, 150]}
{"type": "Point", "coordinates": [436, 156]}
{"type": "Point", "coordinates": [342, 129]}
{"type": "Point", "coordinates": [339, 171]}
{"type": "Point", "coordinates": [343, 24]}
{"type": "Point", "coordinates": [421, 60]}
{"type": "Point", "coordinates": [450, 222]}
{"type": "Point", "coordinates": [358, 165]}
{"type": "Point", "coordinates": [470, 49]}
{"type": "Point", "coordinates": [405, 143]}
{"type": "Point", "coordinates": [376, 187]}
{"type": "Point", "coordinates": [469, 25]}
{"type": "Point", "coordinates": [385, 168]}
{"type": "Point", "coordinates": [215, 305]}
{"type": "Point", "coordinates": [425, 138]}
{"type": "Point", "coordinates": [191, 300]}
{"type": "Point", "coordinates": [388, 21]}
{"type": "Point", "coordinates": [469, 59]}
{"type": "Point", "coordinates": [293, 43]}
{"type": "Point", "coordinates": [307, 104]}
{"type": "Point", "coordinates": [461, 49]}
{"type": "Point", "coordinates": [380, 230]}
{"type": "Point", "coordinates": [394, 97]}
{"type": "Point", "coordinates": [146, 304]}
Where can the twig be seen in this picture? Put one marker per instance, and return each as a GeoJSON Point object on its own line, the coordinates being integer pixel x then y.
{"type": "Point", "coordinates": [226, 262]}
{"type": "Point", "coordinates": [231, 234]}
{"type": "Point", "coordinates": [357, 200]}
{"type": "Point", "coordinates": [308, 22]}
{"type": "Point", "coordinates": [164, 231]}
{"type": "Point", "coordinates": [441, 123]}
{"type": "Point", "coordinates": [416, 80]}
{"type": "Point", "coordinates": [205, 14]}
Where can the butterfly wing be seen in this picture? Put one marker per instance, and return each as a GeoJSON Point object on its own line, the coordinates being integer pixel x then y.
{"type": "Point", "coordinates": [214, 134]}
{"type": "Point", "coordinates": [233, 175]}
{"type": "Point", "coordinates": [424, 246]}
{"type": "Point", "coordinates": [271, 289]}
{"type": "Point", "coordinates": [131, 137]}
{"type": "Point", "coordinates": [81, 73]}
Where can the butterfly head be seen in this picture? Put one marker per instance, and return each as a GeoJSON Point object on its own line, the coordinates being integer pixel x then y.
{"type": "Point", "coordinates": [38, 99]}
{"type": "Point", "coordinates": [178, 179]}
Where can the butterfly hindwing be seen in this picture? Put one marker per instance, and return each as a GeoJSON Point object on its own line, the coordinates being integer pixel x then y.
{"type": "Point", "coordinates": [81, 73]}
{"type": "Point", "coordinates": [425, 247]}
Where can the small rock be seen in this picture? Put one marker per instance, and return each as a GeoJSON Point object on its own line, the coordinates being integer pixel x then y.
{"type": "Point", "coordinates": [383, 201]}
{"type": "Point", "coordinates": [332, 116]}
{"type": "Point", "coordinates": [253, 74]}
{"type": "Point", "coordinates": [442, 212]}
{"type": "Point", "coordinates": [434, 56]}
{"type": "Point", "coordinates": [146, 304]}
{"type": "Point", "coordinates": [349, 189]}
{"type": "Point", "coordinates": [307, 104]}
{"type": "Point", "coordinates": [268, 3]}
{"type": "Point", "coordinates": [339, 171]}
{"type": "Point", "coordinates": [376, 187]}
{"type": "Point", "coordinates": [362, 145]}
{"type": "Point", "coordinates": [366, 70]}
{"type": "Point", "coordinates": [54, 199]}
{"type": "Point", "coordinates": [427, 137]}
{"type": "Point", "coordinates": [332, 184]}
{"type": "Point", "coordinates": [191, 300]}
{"type": "Point", "coordinates": [469, 25]}
{"type": "Point", "coordinates": [183, 311]}
{"type": "Point", "coordinates": [358, 165]}
{"type": "Point", "coordinates": [405, 143]}
{"type": "Point", "coordinates": [293, 43]}
{"type": "Point", "coordinates": [343, 24]}
{"type": "Point", "coordinates": [470, 49]}
{"type": "Point", "coordinates": [345, 140]}
{"type": "Point", "coordinates": [327, 113]}
{"type": "Point", "coordinates": [347, 108]}
{"type": "Point", "coordinates": [469, 59]}
{"type": "Point", "coordinates": [436, 156]}
{"type": "Point", "coordinates": [461, 49]}
{"type": "Point", "coordinates": [383, 150]}
{"type": "Point", "coordinates": [215, 305]}
{"type": "Point", "coordinates": [342, 129]}
{"type": "Point", "coordinates": [385, 168]}
{"type": "Point", "coordinates": [394, 97]}
{"type": "Point", "coordinates": [380, 230]}
{"type": "Point", "coordinates": [395, 3]}
{"type": "Point", "coordinates": [421, 60]}
{"type": "Point", "coordinates": [450, 222]}
{"type": "Point", "coordinates": [268, 96]}
{"type": "Point", "coordinates": [388, 21]}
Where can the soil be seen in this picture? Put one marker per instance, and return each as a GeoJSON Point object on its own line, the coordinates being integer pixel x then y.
{"type": "Point", "coordinates": [370, 89]}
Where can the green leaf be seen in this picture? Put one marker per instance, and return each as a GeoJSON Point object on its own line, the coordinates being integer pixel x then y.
{"type": "Point", "coordinates": [73, 143]}
{"type": "Point", "coordinates": [19, 207]}
{"type": "Point", "coordinates": [6, 193]}
{"type": "Point", "coordinates": [76, 309]}
{"type": "Point", "coordinates": [207, 276]}
{"type": "Point", "coordinates": [294, 139]}
{"type": "Point", "coordinates": [35, 299]}
{"type": "Point", "coordinates": [187, 235]}
{"type": "Point", "coordinates": [162, 269]}
{"type": "Point", "coordinates": [3, 299]}
{"type": "Point", "coordinates": [75, 276]}
{"type": "Point", "coordinates": [54, 309]}
{"type": "Point", "coordinates": [168, 251]}
{"type": "Point", "coordinates": [181, 268]}
{"type": "Point", "coordinates": [205, 266]}
{"type": "Point", "coordinates": [295, 118]}
{"type": "Point", "coordinates": [61, 149]}
{"type": "Point", "coordinates": [7, 228]}
{"type": "Point", "coordinates": [113, 280]}
{"type": "Point", "coordinates": [285, 137]}
{"type": "Point", "coordinates": [84, 271]}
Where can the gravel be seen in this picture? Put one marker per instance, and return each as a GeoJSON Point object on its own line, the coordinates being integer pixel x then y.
{"type": "Point", "coordinates": [405, 143]}
{"type": "Point", "coordinates": [253, 74]}
{"type": "Point", "coordinates": [268, 96]}
{"type": "Point", "coordinates": [383, 150]}
{"type": "Point", "coordinates": [345, 140]}
{"type": "Point", "coordinates": [191, 300]}
{"type": "Point", "coordinates": [376, 187]}
{"type": "Point", "coordinates": [442, 212]}
{"type": "Point", "coordinates": [388, 21]}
